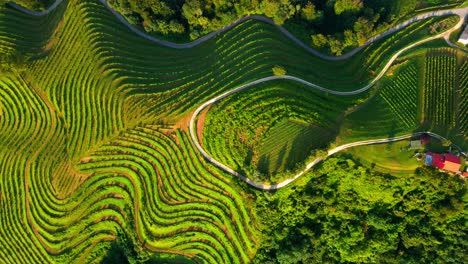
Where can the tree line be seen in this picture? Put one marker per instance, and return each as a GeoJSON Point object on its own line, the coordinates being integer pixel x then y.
{"type": "Point", "coordinates": [347, 213]}
{"type": "Point", "coordinates": [329, 25]}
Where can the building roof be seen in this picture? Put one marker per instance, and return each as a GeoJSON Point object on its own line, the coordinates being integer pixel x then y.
{"type": "Point", "coordinates": [452, 158]}
{"type": "Point", "coordinates": [465, 174]}
{"type": "Point", "coordinates": [452, 163]}
{"type": "Point", "coordinates": [464, 36]}
{"type": "Point", "coordinates": [452, 167]}
{"type": "Point", "coordinates": [415, 144]}
{"type": "Point", "coordinates": [434, 159]}
{"type": "Point", "coordinates": [438, 160]}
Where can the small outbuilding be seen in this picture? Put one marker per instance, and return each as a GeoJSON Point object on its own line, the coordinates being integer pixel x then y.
{"type": "Point", "coordinates": [464, 36]}
{"type": "Point", "coordinates": [415, 144]}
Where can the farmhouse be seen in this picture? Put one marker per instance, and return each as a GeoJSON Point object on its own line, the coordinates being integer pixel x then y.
{"type": "Point", "coordinates": [447, 162]}
{"type": "Point", "coordinates": [464, 36]}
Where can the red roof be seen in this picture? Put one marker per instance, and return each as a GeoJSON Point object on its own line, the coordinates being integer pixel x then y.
{"type": "Point", "coordinates": [465, 174]}
{"type": "Point", "coordinates": [452, 158]}
{"type": "Point", "coordinates": [437, 160]}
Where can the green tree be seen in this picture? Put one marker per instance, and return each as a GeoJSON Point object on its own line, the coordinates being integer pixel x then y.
{"type": "Point", "coordinates": [348, 5]}
{"type": "Point", "coordinates": [309, 13]}
{"type": "Point", "coordinates": [319, 40]}
{"type": "Point", "coordinates": [278, 70]}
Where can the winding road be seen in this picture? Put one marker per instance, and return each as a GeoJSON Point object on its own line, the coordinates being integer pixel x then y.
{"type": "Point", "coordinates": [461, 12]}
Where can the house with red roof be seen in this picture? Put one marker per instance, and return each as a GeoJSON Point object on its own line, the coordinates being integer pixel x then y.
{"type": "Point", "coordinates": [446, 162]}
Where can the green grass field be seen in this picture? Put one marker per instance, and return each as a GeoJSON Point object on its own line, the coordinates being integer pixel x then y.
{"type": "Point", "coordinates": [94, 144]}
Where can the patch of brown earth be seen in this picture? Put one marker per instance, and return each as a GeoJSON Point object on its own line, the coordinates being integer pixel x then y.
{"type": "Point", "coordinates": [201, 124]}
{"type": "Point", "coordinates": [183, 123]}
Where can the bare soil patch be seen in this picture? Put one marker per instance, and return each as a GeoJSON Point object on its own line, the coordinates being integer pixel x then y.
{"type": "Point", "coordinates": [201, 124]}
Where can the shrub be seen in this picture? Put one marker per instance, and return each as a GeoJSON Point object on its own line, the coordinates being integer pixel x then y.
{"type": "Point", "coordinates": [278, 70]}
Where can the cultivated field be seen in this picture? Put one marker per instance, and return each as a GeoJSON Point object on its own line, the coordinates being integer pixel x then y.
{"type": "Point", "coordinates": [94, 143]}
{"type": "Point", "coordinates": [427, 91]}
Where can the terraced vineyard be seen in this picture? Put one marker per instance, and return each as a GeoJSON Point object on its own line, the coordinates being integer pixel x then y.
{"type": "Point", "coordinates": [439, 88]}
{"type": "Point", "coordinates": [290, 142]}
{"type": "Point", "coordinates": [240, 130]}
{"type": "Point", "coordinates": [392, 111]}
{"type": "Point", "coordinates": [404, 103]}
{"type": "Point", "coordinates": [463, 90]}
{"type": "Point", "coordinates": [94, 151]}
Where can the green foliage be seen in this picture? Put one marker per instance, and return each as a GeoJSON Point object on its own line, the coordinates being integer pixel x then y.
{"type": "Point", "coordinates": [278, 70]}
{"type": "Point", "coordinates": [13, 62]}
{"type": "Point", "coordinates": [319, 40]}
{"type": "Point", "coordinates": [309, 12]}
{"type": "Point", "coordinates": [346, 213]}
{"type": "Point", "coordinates": [347, 6]}
{"type": "Point", "coordinates": [30, 4]}
{"type": "Point", "coordinates": [266, 132]}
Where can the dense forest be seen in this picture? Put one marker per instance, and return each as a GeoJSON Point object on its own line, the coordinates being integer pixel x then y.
{"type": "Point", "coordinates": [329, 25]}
{"type": "Point", "coordinates": [347, 213]}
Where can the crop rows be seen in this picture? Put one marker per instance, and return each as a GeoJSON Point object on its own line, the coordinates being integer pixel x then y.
{"type": "Point", "coordinates": [190, 210]}
{"type": "Point", "coordinates": [135, 183]}
{"type": "Point", "coordinates": [463, 90]}
{"type": "Point", "coordinates": [236, 127]}
{"type": "Point", "coordinates": [439, 87]}
{"type": "Point", "coordinates": [288, 143]}
{"type": "Point", "coordinates": [77, 169]}
{"type": "Point", "coordinates": [402, 97]}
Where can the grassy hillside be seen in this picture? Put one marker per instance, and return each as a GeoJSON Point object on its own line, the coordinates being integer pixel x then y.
{"type": "Point", "coordinates": [94, 146]}
{"type": "Point", "coordinates": [271, 128]}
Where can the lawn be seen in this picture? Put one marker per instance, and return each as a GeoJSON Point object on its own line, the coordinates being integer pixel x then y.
{"type": "Point", "coordinates": [391, 158]}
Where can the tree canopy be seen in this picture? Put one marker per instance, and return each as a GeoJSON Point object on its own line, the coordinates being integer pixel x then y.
{"type": "Point", "coordinates": [330, 25]}
{"type": "Point", "coordinates": [348, 213]}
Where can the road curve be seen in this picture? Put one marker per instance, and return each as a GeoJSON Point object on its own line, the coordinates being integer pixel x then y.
{"type": "Point", "coordinates": [262, 186]}
{"type": "Point", "coordinates": [461, 12]}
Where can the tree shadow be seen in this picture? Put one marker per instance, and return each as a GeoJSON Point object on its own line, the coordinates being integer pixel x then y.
{"type": "Point", "coordinates": [115, 255]}
{"type": "Point", "coordinates": [302, 145]}
{"type": "Point", "coordinates": [280, 160]}
{"type": "Point", "coordinates": [264, 164]}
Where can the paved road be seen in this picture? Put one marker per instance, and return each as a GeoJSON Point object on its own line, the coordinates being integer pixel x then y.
{"type": "Point", "coordinates": [315, 86]}
{"type": "Point", "coordinates": [461, 12]}
{"type": "Point", "coordinates": [457, 11]}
